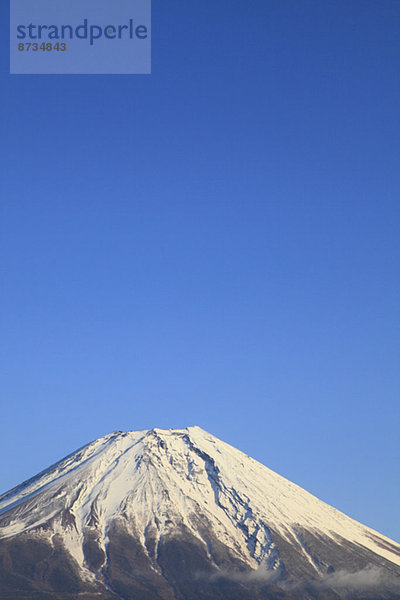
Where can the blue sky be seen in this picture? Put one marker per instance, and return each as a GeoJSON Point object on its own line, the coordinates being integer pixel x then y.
{"type": "Point", "coordinates": [215, 244]}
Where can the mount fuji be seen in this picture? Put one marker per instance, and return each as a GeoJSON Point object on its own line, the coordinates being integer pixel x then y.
{"type": "Point", "coordinates": [180, 515]}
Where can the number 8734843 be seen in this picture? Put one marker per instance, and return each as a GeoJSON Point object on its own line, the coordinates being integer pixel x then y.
{"type": "Point", "coordinates": [44, 47]}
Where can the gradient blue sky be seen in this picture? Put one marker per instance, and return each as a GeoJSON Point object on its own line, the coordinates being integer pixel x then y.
{"type": "Point", "coordinates": [215, 244]}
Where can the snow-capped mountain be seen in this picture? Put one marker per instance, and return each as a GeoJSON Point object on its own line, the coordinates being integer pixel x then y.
{"type": "Point", "coordinates": [179, 514]}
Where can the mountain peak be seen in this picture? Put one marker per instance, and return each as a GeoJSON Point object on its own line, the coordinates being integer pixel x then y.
{"type": "Point", "coordinates": [163, 484]}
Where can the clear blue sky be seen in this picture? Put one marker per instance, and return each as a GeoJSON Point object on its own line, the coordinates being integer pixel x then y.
{"type": "Point", "coordinates": [215, 244]}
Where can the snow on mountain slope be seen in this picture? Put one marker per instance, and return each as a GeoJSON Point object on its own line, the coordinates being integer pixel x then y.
{"type": "Point", "coordinates": [159, 479]}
